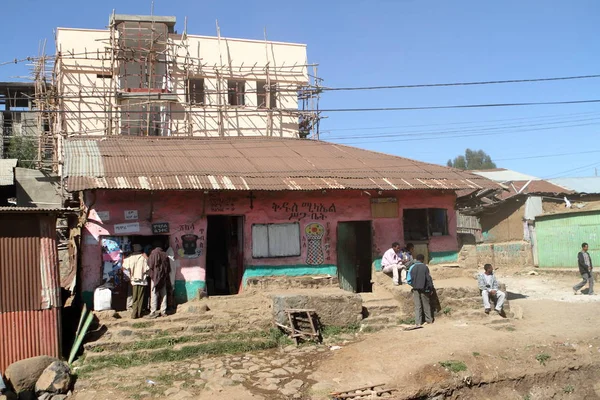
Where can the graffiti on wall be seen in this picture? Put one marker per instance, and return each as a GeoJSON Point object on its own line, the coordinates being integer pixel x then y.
{"type": "Point", "coordinates": [189, 243]}
{"type": "Point", "coordinates": [314, 233]}
{"type": "Point", "coordinates": [310, 210]}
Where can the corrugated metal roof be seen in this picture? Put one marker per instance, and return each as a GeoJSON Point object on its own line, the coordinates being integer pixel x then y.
{"type": "Point", "coordinates": [7, 171]}
{"type": "Point", "coordinates": [532, 187]}
{"type": "Point", "coordinates": [504, 175]}
{"type": "Point", "coordinates": [263, 163]}
{"type": "Point", "coordinates": [589, 185]}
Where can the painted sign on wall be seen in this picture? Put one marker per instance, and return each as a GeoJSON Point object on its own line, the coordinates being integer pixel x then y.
{"type": "Point", "coordinates": [131, 227]}
{"type": "Point", "coordinates": [131, 214]}
{"type": "Point", "coordinates": [313, 211]}
{"type": "Point", "coordinates": [160, 228]}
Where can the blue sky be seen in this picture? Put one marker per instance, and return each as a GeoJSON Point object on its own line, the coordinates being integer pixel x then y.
{"type": "Point", "coordinates": [397, 42]}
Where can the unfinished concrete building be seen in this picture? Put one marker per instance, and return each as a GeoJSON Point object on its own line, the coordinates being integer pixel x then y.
{"type": "Point", "coordinates": [140, 77]}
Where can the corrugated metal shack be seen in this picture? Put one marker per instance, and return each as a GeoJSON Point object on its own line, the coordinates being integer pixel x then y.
{"type": "Point", "coordinates": [29, 284]}
{"type": "Point", "coordinates": [560, 235]}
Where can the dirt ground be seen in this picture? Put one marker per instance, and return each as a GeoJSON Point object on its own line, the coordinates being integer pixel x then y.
{"type": "Point", "coordinates": [550, 350]}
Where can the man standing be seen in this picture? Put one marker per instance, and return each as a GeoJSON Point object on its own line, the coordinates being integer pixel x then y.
{"type": "Point", "coordinates": [585, 269]}
{"type": "Point", "coordinates": [137, 267]}
{"type": "Point", "coordinates": [158, 262]}
{"type": "Point", "coordinates": [489, 286]}
{"type": "Point", "coordinates": [391, 263]}
{"type": "Point", "coordinates": [422, 287]}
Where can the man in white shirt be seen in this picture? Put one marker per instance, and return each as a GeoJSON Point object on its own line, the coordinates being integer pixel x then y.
{"type": "Point", "coordinates": [489, 286]}
{"type": "Point", "coordinates": [391, 263]}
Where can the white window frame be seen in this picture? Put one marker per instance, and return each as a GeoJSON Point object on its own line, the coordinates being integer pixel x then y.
{"type": "Point", "coordinates": [266, 240]}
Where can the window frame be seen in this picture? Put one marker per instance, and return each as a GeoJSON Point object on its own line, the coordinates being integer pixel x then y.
{"type": "Point", "coordinates": [429, 212]}
{"type": "Point", "coordinates": [191, 96]}
{"type": "Point", "coordinates": [269, 254]}
{"type": "Point", "coordinates": [261, 95]}
{"type": "Point", "coordinates": [233, 92]}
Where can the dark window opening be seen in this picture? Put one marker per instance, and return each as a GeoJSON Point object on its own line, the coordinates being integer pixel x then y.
{"type": "Point", "coordinates": [423, 223]}
{"type": "Point", "coordinates": [104, 76]}
{"type": "Point", "coordinates": [261, 95]}
{"type": "Point", "coordinates": [195, 92]}
{"type": "Point", "coordinates": [236, 91]}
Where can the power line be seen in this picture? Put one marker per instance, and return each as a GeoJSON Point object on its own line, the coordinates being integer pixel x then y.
{"type": "Point", "coordinates": [294, 110]}
{"type": "Point", "coordinates": [547, 155]}
{"type": "Point", "coordinates": [553, 116]}
{"type": "Point", "coordinates": [482, 128]}
{"type": "Point", "coordinates": [572, 170]}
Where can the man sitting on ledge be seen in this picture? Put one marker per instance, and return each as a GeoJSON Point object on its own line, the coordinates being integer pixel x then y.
{"type": "Point", "coordinates": [489, 286]}
{"type": "Point", "coordinates": [391, 263]}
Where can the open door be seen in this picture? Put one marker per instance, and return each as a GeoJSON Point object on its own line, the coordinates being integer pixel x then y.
{"type": "Point", "coordinates": [224, 254]}
{"type": "Point", "coordinates": [354, 256]}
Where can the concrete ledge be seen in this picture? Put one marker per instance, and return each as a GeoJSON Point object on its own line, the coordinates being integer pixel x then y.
{"type": "Point", "coordinates": [333, 309]}
{"type": "Point", "coordinates": [291, 282]}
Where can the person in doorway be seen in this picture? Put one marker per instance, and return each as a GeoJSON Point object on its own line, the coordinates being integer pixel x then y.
{"type": "Point", "coordinates": [489, 286]}
{"type": "Point", "coordinates": [391, 263]}
{"type": "Point", "coordinates": [585, 269]}
{"type": "Point", "coordinates": [159, 268]}
{"type": "Point", "coordinates": [136, 266]}
{"type": "Point", "coordinates": [422, 287]}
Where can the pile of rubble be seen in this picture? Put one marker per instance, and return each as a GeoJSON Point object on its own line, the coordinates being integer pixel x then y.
{"type": "Point", "coordinates": [37, 378]}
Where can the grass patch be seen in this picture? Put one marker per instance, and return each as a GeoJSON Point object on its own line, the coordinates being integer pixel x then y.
{"type": "Point", "coordinates": [279, 337]}
{"type": "Point", "coordinates": [170, 355]}
{"type": "Point", "coordinates": [454, 365]}
{"type": "Point", "coordinates": [329, 330]}
{"type": "Point", "coordinates": [527, 397]}
{"type": "Point", "coordinates": [510, 328]}
{"type": "Point", "coordinates": [447, 311]}
{"type": "Point", "coordinates": [141, 325]}
{"type": "Point", "coordinates": [406, 321]}
{"type": "Point", "coordinates": [476, 354]}
{"type": "Point", "coordinates": [569, 389]}
{"type": "Point", "coordinates": [542, 358]}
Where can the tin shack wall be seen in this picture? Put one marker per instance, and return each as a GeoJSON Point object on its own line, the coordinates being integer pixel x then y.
{"type": "Point", "coordinates": [29, 287]}
{"type": "Point", "coordinates": [559, 237]}
{"type": "Point", "coordinates": [119, 213]}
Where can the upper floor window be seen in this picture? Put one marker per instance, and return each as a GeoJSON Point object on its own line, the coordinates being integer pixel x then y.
{"type": "Point", "coordinates": [236, 91]}
{"type": "Point", "coordinates": [195, 92]}
{"type": "Point", "coordinates": [261, 95]}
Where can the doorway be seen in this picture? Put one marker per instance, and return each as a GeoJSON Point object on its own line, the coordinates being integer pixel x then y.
{"type": "Point", "coordinates": [224, 254]}
{"type": "Point", "coordinates": [354, 256]}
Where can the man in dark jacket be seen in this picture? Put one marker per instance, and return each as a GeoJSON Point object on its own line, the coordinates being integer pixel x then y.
{"type": "Point", "coordinates": [158, 269]}
{"type": "Point", "coordinates": [585, 269]}
{"type": "Point", "coordinates": [422, 287]}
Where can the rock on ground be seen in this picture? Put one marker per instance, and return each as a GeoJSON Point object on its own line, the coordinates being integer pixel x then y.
{"type": "Point", "coordinates": [23, 375]}
{"type": "Point", "coordinates": [56, 378]}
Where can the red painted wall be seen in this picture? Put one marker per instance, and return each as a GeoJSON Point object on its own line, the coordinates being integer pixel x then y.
{"type": "Point", "coordinates": [185, 212]}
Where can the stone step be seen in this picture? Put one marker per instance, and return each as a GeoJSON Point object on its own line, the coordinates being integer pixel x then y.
{"type": "Point", "coordinates": [100, 354]}
{"type": "Point", "coordinates": [382, 319]}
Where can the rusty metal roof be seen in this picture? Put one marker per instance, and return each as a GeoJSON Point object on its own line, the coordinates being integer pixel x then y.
{"type": "Point", "coordinates": [532, 187]}
{"type": "Point", "coordinates": [262, 163]}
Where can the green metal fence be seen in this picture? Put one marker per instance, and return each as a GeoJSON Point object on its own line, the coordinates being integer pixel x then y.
{"type": "Point", "coordinates": [559, 238]}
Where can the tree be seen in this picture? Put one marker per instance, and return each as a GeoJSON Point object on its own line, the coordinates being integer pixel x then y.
{"type": "Point", "coordinates": [23, 148]}
{"type": "Point", "coordinates": [473, 159]}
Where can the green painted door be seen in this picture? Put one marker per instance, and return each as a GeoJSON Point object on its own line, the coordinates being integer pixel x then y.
{"type": "Point", "coordinates": [346, 255]}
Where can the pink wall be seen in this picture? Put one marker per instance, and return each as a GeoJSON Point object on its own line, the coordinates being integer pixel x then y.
{"type": "Point", "coordinates": [185, 211]}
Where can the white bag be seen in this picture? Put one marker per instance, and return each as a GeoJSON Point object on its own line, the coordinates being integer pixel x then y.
{"type": "Point", "coordinates": [102, 299]}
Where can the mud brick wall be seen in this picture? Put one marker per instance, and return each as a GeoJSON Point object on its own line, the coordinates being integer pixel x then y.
{"type": "Point", "coordinates": [509, 254]}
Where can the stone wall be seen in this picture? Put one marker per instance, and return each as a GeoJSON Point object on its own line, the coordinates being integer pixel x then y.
{"type": "Point", "coordinates": [509, 254]}
{"type": "Point", "coordinates": [339, 309]}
